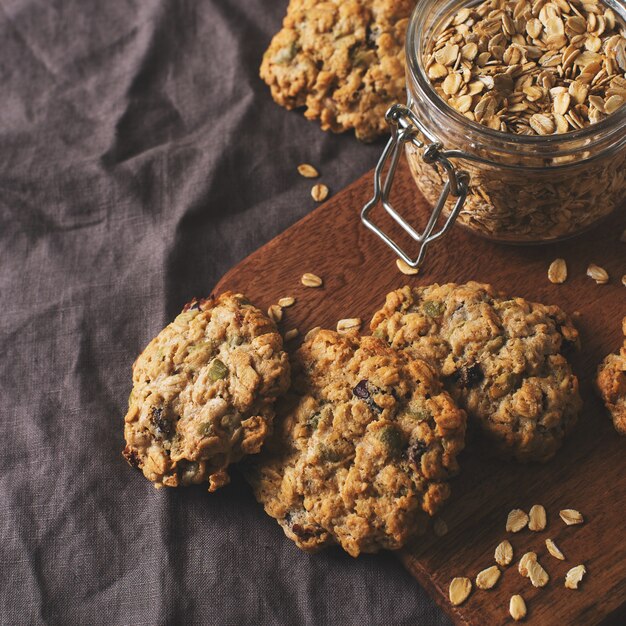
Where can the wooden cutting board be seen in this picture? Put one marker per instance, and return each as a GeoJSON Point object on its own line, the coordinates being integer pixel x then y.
{"type": "Point", "coordinates": [588, 474]}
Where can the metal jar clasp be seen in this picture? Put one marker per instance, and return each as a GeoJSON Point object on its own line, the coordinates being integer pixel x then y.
{"type": "Point", "coordinates": [406, 127]}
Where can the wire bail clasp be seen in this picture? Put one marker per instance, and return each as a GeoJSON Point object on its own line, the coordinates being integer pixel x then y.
{"type": "Point", "coordinates": [406, 127]}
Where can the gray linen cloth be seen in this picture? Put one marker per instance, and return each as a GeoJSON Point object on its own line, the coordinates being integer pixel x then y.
{"type": "Point", "coordinates": [140, 158]}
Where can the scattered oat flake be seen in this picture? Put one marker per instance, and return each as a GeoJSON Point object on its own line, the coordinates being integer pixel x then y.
{"type": "Point", "coordinates": [599, 274]}
{"type": "Point", "coordinates": [537, 517]}
{"type": "Point", "coordinates": [488, 577]}
{"type": "Point", "coordinates": [440, 527]}
{"type": "Point", "coordinates": [287, 301]}
{"type": "Point", "coordinates": [405, 268]}
{"type": "Point", "coordinates": [516, 520]}
{"type": "Point", "coordinates": [504, 553]}
{"type": "Point", "coordinates": [525, 561]}
{"type": "Point", "coordinates": [554, 551]}
{"type": "Point", "coordinates": [310, 334]}
{"type": "Point", "coordinates": [571, 517]}
{"type": "Point", "coordinates": [275, 313]}
{"type": "Point", "coordinates": [319, 192]}
{"type": "Point", "coordinates": [574, 576]}
{"type": "Point", "coordinates": [292, 333]}
{"type": "Point", "coordinates": [557, 272]}
{"type": "Point", "coordinates": [538, 576]}
{"type": "Point", "coordinates": [311, 280]}
{"type": "Point", "coordinates": [460, 589]}
{"type": "Point", "coordinates": [308, 171]}
{"type": "Point", "coordinates": [624, 280]}
{"type": "Point", "coordinates": [517, 608]}
{"type": "Point", "coordinates": [353, 323]}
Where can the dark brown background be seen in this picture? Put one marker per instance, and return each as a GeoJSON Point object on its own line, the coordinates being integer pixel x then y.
{"type": "Point", "coordinates": [140, 158]}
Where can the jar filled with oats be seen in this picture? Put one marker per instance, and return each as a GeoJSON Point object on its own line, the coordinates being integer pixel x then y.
{"type": "Point", "coordinates": [515, 124]}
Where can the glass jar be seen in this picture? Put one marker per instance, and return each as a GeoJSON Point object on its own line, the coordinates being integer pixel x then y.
{"type": "Point", "coordinates": [504, 186]}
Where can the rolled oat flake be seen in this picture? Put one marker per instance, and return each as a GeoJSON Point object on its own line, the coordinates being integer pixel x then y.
{"type": "Point", "coordinates": [537, 518]}
{"type": "Point", "coordinates": [488, 577]}
{"type": "Point", "coordinates": [517, 607]}
{"type": "Point", "coordinates": [571, 517]}
{"type": "Point", "coordinates": [460, 589]}
{"type": "Point", "coordinates": [574, 576]}
{"type": "Point", "coordinates": [516, 520]}
{"type": "Point", "coordinates": [504, 553]}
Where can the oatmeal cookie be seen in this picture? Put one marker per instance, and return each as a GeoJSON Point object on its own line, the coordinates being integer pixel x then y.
{"type": "Point", "coordinates": [611, 384]}
{"type": "Point", "coordinates": [341, 59]}
{"type": "Point", "coordinates": [203, 392]}
{"type": "Point", "coordinates": [500, 358]}
{"type": "Point", "coordinates": [365, 449]}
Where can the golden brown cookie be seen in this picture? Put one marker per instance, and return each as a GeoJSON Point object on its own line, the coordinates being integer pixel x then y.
{"type": "Point", "coordinates": [501, 359]}
{"type": "Point", "coordinates": [364, 450]}
{"type": "Point", "coordinates": [203, 392]}
{"type": "Point", "coordinates": [611, 384]}
{"type": "Point", "coordinates": [341, 59]}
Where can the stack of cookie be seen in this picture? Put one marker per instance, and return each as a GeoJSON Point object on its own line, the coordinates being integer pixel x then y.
{"type": "Point", "coordinates": [368, 431]}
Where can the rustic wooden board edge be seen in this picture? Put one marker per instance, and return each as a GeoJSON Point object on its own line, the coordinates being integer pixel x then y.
{"type": "Point", "coordinates": [354, 195]}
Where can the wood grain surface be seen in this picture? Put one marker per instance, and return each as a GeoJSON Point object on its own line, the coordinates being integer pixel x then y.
{"type": "Point", "coordinates": [588, 474]}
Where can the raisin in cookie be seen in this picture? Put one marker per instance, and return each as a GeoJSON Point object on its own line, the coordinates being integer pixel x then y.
{"type": "Point", "coordinates": [203, 392]}
{"type": "Point", "coordinates": [611, 384]}
{"type": "Point", "coordinates": [341, 59]}
{"type": "Point", "coordinates": [501, 359]}
{"type": "Point", "coordinates": [365, 449]}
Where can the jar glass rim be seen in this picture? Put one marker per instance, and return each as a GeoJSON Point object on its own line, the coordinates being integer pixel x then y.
{"type": "Point", "coordinates": [420, 27]}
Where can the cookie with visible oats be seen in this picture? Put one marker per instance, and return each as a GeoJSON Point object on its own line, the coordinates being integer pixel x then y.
{"type": "Point", "coordinates": [341, 59]}
{"type": "Point", "coordinates": [363, 449]}
{"type": "Point", "coordinates": [501, 359]}
{"type": "Point", "coordinates": [611, 385]}
{"type": "Point", "coordinates": [203, 392]}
